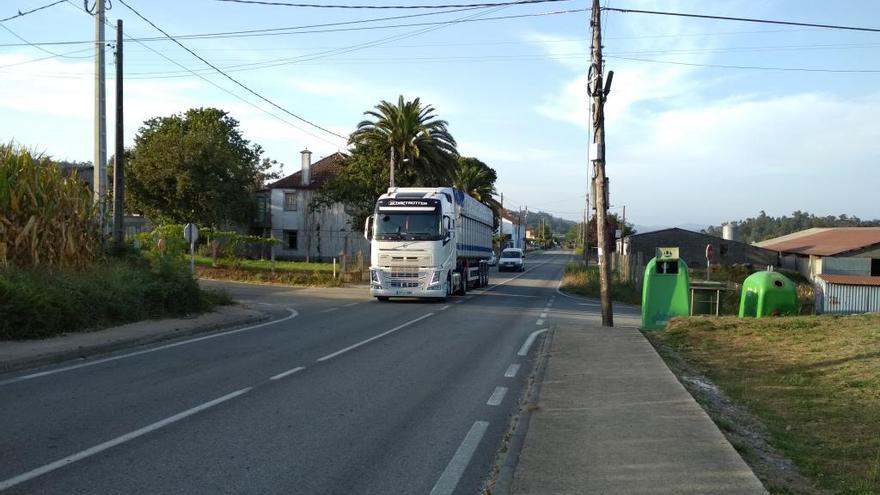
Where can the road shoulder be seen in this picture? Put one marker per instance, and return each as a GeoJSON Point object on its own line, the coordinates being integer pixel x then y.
{"type": "Point", "coordinates": [20, 355]}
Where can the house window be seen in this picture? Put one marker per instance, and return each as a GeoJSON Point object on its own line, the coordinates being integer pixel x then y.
{"type": "Point", "coordinates": [290, 201]}
{"type": "Point", "coordinates": [290, 239]}
{"type": "Point", "coordinates": [724, 249]}
{"type": "Point", "coordinates": [875, 267]}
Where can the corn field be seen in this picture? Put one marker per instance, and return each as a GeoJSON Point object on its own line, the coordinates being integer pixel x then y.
{"type": "Point", "coordinates": [45, 217]}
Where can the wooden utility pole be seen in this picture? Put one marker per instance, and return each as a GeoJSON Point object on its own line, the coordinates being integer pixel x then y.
{"type": "Point", "coordinates": [598, 92]}
{"type": "Point", "coordinates": [119, 161]}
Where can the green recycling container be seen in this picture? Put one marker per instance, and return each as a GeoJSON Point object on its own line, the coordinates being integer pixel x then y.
{"type": "Point", "coordinates": [665, 289]}
{"type": "Point", "coordinates": [767, 294]}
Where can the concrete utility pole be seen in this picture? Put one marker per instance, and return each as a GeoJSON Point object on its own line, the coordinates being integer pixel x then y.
{"type": "Point", "coordinates": [392, 168]}
{"type": "Point", "coordinates": [99, 166]}
{"type": "Point", "coordinates": [598, 93]}
{"type": "Point", "coordinates": [119, 155]}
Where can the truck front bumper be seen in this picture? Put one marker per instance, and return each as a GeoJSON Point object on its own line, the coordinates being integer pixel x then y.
{"type": "Point", "coordinates": [427, 284]}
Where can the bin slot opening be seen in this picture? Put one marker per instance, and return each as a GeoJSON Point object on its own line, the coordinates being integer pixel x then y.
{"type": "Point", "coordinates": [667, 267]}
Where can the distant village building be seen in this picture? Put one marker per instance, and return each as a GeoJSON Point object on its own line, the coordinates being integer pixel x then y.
{"type": "Point", "coordinates": [512, 230]}
{"type": "Point", "coordinates": [692, 248]}
{"type": "Point", "coordinates": [843, 262]}
{"type": "Point", "coordinates": [305, 232]}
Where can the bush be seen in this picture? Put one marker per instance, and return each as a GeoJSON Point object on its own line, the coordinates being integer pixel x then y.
{"type": "Point", "coordinates": [37, 302]}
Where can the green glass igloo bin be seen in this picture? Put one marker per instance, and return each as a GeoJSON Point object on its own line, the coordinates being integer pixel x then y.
{"type": "Point", "coordinates": [768, 294]}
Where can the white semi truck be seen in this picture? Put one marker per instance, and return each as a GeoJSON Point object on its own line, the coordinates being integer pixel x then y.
{"type": "Point", "coordinates": [428, 242]}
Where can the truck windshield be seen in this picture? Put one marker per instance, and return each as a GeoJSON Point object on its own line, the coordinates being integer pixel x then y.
{"type": "Point", "coordinates": [408, 225]}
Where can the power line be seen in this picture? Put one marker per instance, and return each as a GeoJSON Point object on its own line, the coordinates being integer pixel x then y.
{"type": "Point", "coordinates": [66, 55]}
{"type": "Point", "coordinates": [22, 14]}
{"type": "Point", "coordinates": [749, 67]}
{"type": "Point", "coordinates": [227, 76]}
{"type": "Point", "coordinates": [377, 7]}
{"type": "Point", "coordinates": [212, 83]}
{"type": "Point", "coordinates": [744, 19]}
{"type": "Point", "coordinates": [297, 30]}
{"type": "Point", "coordinates": [337, 51]}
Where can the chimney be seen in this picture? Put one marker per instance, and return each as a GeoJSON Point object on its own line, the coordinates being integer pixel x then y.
{"type": "Point", "coordinates": [306, 167]}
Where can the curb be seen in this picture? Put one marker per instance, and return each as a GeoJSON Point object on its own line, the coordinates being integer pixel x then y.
{"type": "Point", "coordinates": [84, 352]}
{"type": "Point", "coordinates": [520, 422]}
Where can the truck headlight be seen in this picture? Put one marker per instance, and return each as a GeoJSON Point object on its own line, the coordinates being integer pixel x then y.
{"type": "Point", "coordinates": [435, 280]}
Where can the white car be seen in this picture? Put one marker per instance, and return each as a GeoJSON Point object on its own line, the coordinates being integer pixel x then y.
{"type": "Point", "coordinates": [511, 259]}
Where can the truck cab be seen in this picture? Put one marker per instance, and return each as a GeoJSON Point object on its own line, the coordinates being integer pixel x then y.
{"type": "Point", "coordinates": [419, 243]}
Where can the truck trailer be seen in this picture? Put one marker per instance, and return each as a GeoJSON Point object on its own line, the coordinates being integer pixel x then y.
{"type": "Point", "coordinates": [428, 242]}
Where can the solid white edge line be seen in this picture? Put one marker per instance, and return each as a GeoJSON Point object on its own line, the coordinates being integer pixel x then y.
{"type": "Point", "coordinates": [512, 370]}
{"type": "Point", "coordinates": [497, 396]}
{"type": "Point", "coordinates": [328, 310]}
{"type": "Point", "coordinates": [117, 441]}
{"type": "Point", "coordinates": [351, 304]}
{"type": "Point", "coordinates": [455, 469]}
{"type": "Point", "coordinates": [287, 373]}
{"type": "Point", "coordinates": [293, 314]}
{"type": "Point", "coordinates": [374, 337]}
{"type": "Point", "coordinates": [529, 341]}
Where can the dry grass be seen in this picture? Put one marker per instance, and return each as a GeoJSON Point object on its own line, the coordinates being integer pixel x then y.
{"type": "Point", "coordinates": [584, 280]}
{"type": "Point", "coordinates": [813, 381]}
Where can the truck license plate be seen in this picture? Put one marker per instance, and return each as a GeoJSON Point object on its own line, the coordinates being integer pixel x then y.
{"type": "Point", "coordinates": [404, 292]}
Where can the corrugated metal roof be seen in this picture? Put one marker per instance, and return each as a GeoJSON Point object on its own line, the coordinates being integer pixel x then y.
{"type": "Point", "coordinates": [851, 279]}
{"type": "Point", "coordinates": [824, 242]}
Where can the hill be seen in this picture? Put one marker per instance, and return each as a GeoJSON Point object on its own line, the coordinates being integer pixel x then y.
{"type": "Point", "coordinates": [765, 227]}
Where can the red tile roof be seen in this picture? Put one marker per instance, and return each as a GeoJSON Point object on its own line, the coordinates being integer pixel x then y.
{"type": "Point", "coordinates": [850, 279]}
{"type": "Point", "coordinates": [825, 242]}
{"type": "Point", "coordinates": [320, 172]}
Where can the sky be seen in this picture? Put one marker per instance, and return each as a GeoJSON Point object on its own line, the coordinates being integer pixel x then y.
{"type": "Point", "coordinates": [693, 136]}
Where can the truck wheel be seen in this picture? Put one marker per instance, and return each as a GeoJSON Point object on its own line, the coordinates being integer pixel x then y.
{"type": "Point", "coordinates": [382, 298]}
{"type": "Point", "coordinates": [462, 289]}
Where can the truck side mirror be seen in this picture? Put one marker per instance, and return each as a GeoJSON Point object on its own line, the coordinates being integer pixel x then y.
{"type": "Point", "coordinates": [368, 227]}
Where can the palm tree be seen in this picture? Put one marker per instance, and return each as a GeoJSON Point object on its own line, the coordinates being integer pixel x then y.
{"type": "Point", "coordinates": [478, 180]}
{"type": "Point", "coordinates": [414, 138]}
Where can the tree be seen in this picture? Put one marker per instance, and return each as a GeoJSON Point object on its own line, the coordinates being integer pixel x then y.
{"type": "Point", "coordinates": [364, 177]}
{"type": "Point", "coordinates": [418, 146]}
{"type": "Point", "coordinates": [195, 167]}
{"type": "Point", "coordinates": [478, 180]}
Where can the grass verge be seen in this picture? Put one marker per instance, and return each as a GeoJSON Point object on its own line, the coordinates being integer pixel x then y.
{"type": "Point", "coordinates": [584, 280]}
{"type": "Point", "coordinates": [243, 264]}
{"type": "Point", "coordinates": [38, 302]}
{"type": "Point", "coordinates": [813, 382]}
{"type": "Point", "coordinates": [296, 278]}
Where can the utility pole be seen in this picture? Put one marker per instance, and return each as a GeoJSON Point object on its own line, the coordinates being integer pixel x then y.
{"type": "Point", "coordinates": [99, 167]}
{"type": "Point", "coordinates": [119, 161]}
{"type": "Point", "coordinates": [392, 167]}
{"type": "Point", "coordinates": [598, 92]}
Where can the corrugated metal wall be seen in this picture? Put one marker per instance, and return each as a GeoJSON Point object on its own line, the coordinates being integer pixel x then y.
{"type": "Point", "coordinates": [839, 298]}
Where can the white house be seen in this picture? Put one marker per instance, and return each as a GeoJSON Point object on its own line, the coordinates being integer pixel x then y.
{"type": "Point", "coordinates": [308, 233]}
{"type": "Point", "coordinates": [512, 230]}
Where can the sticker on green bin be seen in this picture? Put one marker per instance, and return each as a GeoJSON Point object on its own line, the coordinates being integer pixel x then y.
{"type": "Point", "coordinates": [667, 253]}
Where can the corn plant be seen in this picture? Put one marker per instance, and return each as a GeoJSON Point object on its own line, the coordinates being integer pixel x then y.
{"type": "Point", "coordinates": [45, 217]}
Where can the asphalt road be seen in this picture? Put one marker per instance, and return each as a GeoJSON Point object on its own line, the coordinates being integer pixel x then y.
{"type": "Point", "coordinates": [343, 394]}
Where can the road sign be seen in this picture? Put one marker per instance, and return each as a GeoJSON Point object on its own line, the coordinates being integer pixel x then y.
{"type": "Point", "coordinates": [190, 233]}
{"type": "Point", "coordinates": [710, 252]}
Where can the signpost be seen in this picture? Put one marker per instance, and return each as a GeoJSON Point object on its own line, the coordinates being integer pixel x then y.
{"type": "Point", "coordinates": [710, 252]}
{"type": "Point", "coordinates": [191, 234]}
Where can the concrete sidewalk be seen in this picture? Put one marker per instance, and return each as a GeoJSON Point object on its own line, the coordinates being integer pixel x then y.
{"type": "Point", "coordinates": [18, 355]}
{"type": "Point", "coordinates": [613, 419]}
